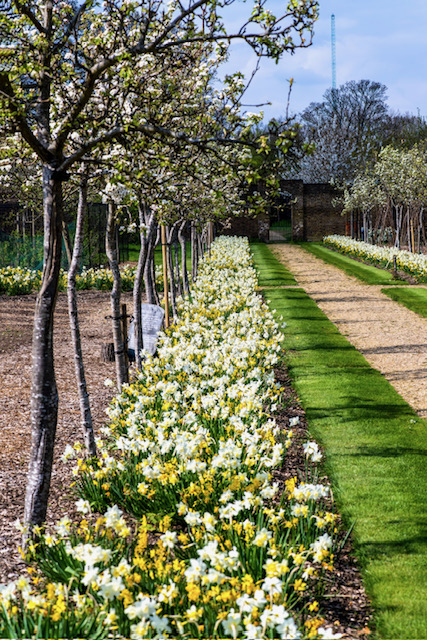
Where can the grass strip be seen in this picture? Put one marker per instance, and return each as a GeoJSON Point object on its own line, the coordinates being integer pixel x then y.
{"type": "Point", "coordinates": [271, 272]}
{"type": "Point", "coordinates": [413, 299]}
{"type": "Point", "coordinates": [364, 272]}
{"type": "Point", "coordinates": [135, 248]}
{"type": "Point", "coordinates": [376, 450]}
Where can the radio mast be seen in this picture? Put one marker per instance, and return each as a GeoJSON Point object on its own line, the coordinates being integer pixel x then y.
{"type": "Point", "coordinates": [334, 62]}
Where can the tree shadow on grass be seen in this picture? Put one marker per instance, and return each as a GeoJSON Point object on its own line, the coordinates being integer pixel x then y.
{"type": "Point", "coordinates": [413, 545]}
{"type": "Point", "coordinates": [387, 452]}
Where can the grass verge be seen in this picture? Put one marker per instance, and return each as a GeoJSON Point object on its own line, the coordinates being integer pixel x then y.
{"type": "Point", "coordinates": [134, 250]}
{"type": "Point", "coordinates": [414, 299]}
{"type": "Point", "coordinates": [376, 450]}
{"type": "Point", "coordinates": [364, 272]}
{"type": "Point", "coordinates": [271, 273]}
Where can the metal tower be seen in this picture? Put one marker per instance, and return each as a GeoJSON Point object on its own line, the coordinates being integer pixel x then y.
{"type": "Point", "coordinates": [334, 62]}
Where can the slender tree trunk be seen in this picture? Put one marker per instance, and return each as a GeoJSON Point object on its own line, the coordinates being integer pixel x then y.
{"type": "Point", "coordinates": [199, 247]}
{"type": "Point", "coordinates": [67, 242]}
{"type": "Point", "coordinates": [147, 221]}
{"type": "Point", "coordinates": [85, 411]}
{"type": "Point", "coordinates": [170, 232]}
{"type": "Point", "coordinates": [194, 252]}
{"type": "Point", "coordinates": [137, 287]}
{"type": "Point", "coordinates": [398, 211]}
{"type": "Point", "coordinates": [182, 242]}
{"type": "Point", "coordinates": [119, 346]}
{"type": "Point", "coordinates": [44, 394]}
{"type": "Point", "coordinates": [165, 274]}
{"type": "Point", "coordinates": [149, 270]}
{"type": "Point", "coordinates": [176, 247]}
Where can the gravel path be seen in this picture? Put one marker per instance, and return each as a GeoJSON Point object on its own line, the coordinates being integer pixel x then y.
{"type": "Point", "coordinates": [392, 338]}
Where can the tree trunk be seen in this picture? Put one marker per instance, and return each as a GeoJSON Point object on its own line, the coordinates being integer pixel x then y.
{"type": "Point", "coordinates": [170, 233]}
{"type": "Point", "coordinates": [44, 393]}
{"type": "Point", "coordinates": [200, 250]}
{"type": "Point", "coordinates": [165, 274]}
{"type": "Point", "coordinates": [67, 242]}
{"type": "Point", "coordinates": [85, 411]}
{"type": "Point", "coordinates": [119, 346]}
{"type": "Point", "coordinates": [149, 222]}
{"type": "Point", "coordinates": [178, 281]}
{"type": "Point", "coordinates": [194, 252]}
{"type": "Point", "coordinates": [182, 242]}
{"type": "Point", "coordinates": [398, 225]}
{"type": "Point", "coordinates": [149, 270]}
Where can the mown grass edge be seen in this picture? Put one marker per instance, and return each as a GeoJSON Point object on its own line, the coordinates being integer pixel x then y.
{"type": "Point", "coordinates": [375, 449]}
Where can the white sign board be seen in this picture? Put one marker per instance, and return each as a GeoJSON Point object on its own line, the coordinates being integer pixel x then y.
{"type": "Point", "coordinates": [152, 320]}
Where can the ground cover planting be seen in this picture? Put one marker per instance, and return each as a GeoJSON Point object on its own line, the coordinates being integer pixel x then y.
{"type": "Point", "coordinates": [413, 299]}
{"type": "Point", "coordinates": [204, 543]}
{"type": "Point", "coordinates": [414, 264]}
{"type": "Point", "coordinates": [364, 272]}
{"type": "Point", "coordinates": [20, 281]}
{"type": "Point", "coordinates": [375, 452]}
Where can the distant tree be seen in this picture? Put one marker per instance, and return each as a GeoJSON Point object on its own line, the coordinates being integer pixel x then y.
{"type": "Point", "coordinates": [403, 131]}
{"type": "Point", "coordinates": [346, 130]}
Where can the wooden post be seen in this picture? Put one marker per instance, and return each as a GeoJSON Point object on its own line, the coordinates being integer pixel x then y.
{"type": "Point", "coordinates": [165, 275]}
{"type": "Point", "coordinates": [394, 267]}
{"type": "Point", "coordinates": [125, 337]}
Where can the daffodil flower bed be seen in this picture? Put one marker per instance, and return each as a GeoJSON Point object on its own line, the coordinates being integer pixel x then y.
{"type": "Point", "coordinates": [204, 544]}
{"type": "Point", "coordinates": [20, 281]}
{"type": "Point", "coordinates": [414, 264]}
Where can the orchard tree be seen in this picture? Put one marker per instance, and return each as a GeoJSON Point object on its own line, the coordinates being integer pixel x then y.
{"type": "Point", "coordinates": [401, 175]}
{"type": "Point", "coordinates": [362, 199]}
{"type": "Point", "coordinates": [391, 197]}
{"type": "Point", "coordinates": [156, 173]}
{"type": "Point", "coordinates": [58, 64]}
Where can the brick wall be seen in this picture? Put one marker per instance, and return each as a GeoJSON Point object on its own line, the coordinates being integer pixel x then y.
{"type": "Point", "coordinates": [253, 228]}
{"type": "Point", "coordinates": [313, 214]}
{"type": "Point", "coordinates": [321, 216]}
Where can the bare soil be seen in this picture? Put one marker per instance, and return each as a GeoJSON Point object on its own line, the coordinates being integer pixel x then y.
{"type": "Point", "coordinates": [344, 604]}
{"type": "Point", "coordinates": [16, 322]}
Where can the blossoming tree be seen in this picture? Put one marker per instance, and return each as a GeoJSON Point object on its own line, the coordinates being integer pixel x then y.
{"type": "Point", "coordinates": [58, 62]}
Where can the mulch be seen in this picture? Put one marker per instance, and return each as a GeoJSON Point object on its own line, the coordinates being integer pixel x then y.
{"type": "Point", "coordinates": [344, 603]}
{"type": "Point", "coordinates": [16, 320]}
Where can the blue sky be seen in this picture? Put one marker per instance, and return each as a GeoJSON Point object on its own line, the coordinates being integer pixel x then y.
{"type": "Point", "coordinates": [380, 40]}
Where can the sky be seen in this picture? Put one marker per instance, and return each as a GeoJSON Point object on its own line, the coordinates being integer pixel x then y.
{"type": "Point", "coordinates": [380, 40]}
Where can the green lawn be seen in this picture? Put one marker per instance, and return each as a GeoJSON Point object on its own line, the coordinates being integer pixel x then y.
{"type": "Point", "coordinates": [414, 299]}
{"type": "Point", "coordinates": [135, 248]}
{"type": "Point", "coordinates": [271, 273]}
{"type": "Point", "coordinates": [376, 450]}
{"type": "Point", "coordinates": [364, 272]}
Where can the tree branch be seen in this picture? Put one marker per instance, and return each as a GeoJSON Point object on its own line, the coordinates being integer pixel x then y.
{"type": "Point", "coordinates": [24, 10]}
{"type": "Point", "coordinates": [6, 90]}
